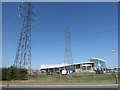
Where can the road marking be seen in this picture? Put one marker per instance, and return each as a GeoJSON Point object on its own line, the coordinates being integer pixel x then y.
{"type": "Point", "coordinates": [54, 85]}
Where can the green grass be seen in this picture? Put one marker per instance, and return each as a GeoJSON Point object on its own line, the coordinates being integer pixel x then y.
{"type": "Point", "coordinates": [68, 78]}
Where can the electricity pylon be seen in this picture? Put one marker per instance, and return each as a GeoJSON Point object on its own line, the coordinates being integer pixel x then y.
{"type": "Point", "coordinates": [23, 54]}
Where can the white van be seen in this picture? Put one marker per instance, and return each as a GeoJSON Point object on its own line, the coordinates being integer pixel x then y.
{"type": "Point", "coordinates": [64, 72]}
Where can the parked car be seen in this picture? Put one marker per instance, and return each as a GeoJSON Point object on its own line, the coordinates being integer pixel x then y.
{"type": "Point", "coordinates": [48, 73]}
{"type": "Point", "coordinates": [64, 72]}
{"type": "Point", "coordinates": [99, 72]}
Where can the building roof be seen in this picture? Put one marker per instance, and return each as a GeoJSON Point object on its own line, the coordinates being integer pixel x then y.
{"type": "Point", "coordinates": [82, 63]}
{"type": "Point", "coordinates": [54, 66]}
{"type": "Point", "coordinates": [59, 65]}
{"type": "Point", "coordinates": [98, 59]}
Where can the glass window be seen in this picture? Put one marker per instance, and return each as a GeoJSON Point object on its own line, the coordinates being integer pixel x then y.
{"type": "Point", "coordinates": [83, 67]}
{"type": "Point", "coordinates": [88, 67]}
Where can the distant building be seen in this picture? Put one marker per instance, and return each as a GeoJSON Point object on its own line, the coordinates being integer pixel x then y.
{"type": "Point", "coordinates": [77, 67]}
{"type": "Point", "coordinates": [99, 64]}
{"type": "Point", "coordinates": [34, 71]}
{"type": "Point", "coordinates": [83, 67]}
{"type": "Point", "coordinates": [91, 66]}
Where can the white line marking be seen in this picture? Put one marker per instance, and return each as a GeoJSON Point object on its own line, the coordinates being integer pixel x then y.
{"type": "Point", "coordinates": [53, 85]}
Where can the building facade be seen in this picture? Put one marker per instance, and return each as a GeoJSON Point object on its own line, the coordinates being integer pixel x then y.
{"type": "Point", "coordinates": [94, 65]}
{"type": "Point", "coordinates": [99, 64]}
{"type": "Point", "coordinates": [77, 67]}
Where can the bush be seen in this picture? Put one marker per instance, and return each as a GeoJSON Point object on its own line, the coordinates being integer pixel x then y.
{"type": "Point", "coordinates": [13, 73]}
{"type": "Point", "coordinates": [22, 74]}
{"type": "Point", "coordinates": [4, 73]}
{"type": "Point", "coordinates": [56, 72]}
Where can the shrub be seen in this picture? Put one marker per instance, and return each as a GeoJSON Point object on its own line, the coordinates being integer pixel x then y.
{"type": "Point", "coordinates": [4, 73]}
{"type": "Point", "coordinates": [13, 73]}
{"type": "Point", "coordinates": [22, 74]}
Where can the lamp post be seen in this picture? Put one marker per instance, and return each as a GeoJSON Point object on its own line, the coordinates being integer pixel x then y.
{"type": "Point", "coordinates": [116, 75]}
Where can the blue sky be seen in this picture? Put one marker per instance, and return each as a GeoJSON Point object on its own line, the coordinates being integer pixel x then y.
{"type": "Point", "coordinates": [93, 26]}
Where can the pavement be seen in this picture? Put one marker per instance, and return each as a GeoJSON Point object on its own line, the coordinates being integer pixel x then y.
{"type": "Point", "coordinates": [61, 85]}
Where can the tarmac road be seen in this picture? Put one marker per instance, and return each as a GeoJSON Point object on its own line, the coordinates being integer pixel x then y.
{"type": "Point", "coordinates": [61, 85]}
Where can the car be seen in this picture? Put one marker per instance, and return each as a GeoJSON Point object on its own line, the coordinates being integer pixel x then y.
{"type": "Point", "coordinates": [48, 73]}
{"type": "Point", "coordinates": [99, 72]}
{"type": "Point", "coordinates": [64, 72]}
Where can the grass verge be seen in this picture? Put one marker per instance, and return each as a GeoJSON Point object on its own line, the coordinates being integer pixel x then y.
{"type": "Point", "coordinates": [67, 78]}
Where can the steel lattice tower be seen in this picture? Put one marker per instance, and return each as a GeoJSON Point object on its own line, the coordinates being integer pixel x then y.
{"type": "Point", "coordinates": [23, 54]}
{"type": "Point", "coordinates": [68, 52]}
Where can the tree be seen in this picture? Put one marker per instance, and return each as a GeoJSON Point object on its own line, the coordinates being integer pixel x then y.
{"type": "Point", "coordinates": [11, 73]}
{"type": "Point", "coordinates": [4, 73]}
{"type": "Point", "coordinates": [14, 73]}
{"type": "Point", "coordinates": [22, 74]}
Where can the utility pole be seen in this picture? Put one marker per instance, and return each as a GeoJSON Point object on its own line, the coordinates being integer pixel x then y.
{"type": "Point", "coordinates": [23, 54]}
{"type": "Point", "coordinates": [68, 52]}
